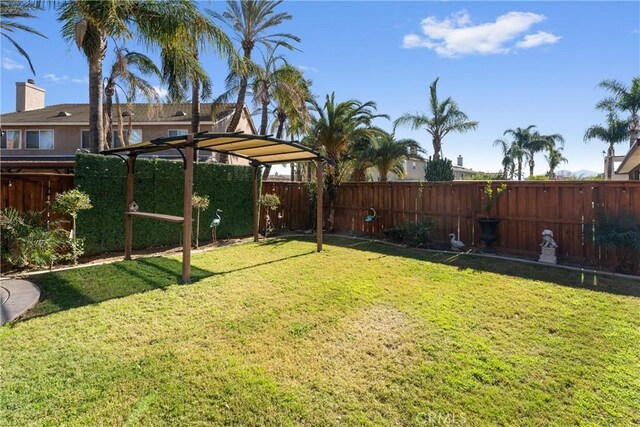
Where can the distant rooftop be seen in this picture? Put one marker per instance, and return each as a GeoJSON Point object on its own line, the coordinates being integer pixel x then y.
{"type": "Point", "coordinates": [79, 113]}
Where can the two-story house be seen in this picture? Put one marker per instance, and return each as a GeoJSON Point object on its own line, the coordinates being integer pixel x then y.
{"type": "Point", "coordinates": [35, 136]}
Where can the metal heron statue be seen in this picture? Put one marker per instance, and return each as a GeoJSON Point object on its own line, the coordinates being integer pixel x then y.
{"type": "Point", "coordinates": [214, 225]}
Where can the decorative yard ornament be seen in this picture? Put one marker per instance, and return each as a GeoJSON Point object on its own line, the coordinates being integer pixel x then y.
{"type": "Point", "coordinates": [133, 206]}
{"type": "Point", "coordinates": [456, 245]}
{"type": "Point", "coordinates": [548, 246]}
{"type": "Point", "coordinates": [371, 215]}
{"type": "Point", "coordinates": [215, 224]}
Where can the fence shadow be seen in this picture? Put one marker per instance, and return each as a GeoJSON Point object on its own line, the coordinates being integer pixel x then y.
{"type": "Point", "coordinates": [574, 279]}
{"type": "Point", "coordinates": [84, 286]}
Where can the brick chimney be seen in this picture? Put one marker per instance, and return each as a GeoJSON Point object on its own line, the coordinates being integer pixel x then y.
{"type": "Point", "coordinates": [460, 161]}
{"type": "Point", "coordinates": [29, 96]}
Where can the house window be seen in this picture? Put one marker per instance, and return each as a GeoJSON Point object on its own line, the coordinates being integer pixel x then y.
{"type": "Point", "coordinates": [136, 137]}
{"type": "Point", "coordinates": [85, 141]}
{"type": "Point", "coordinates": [11, 139]}
{"type": "Point", "coordinates": [39, 139]}
{"type": "Point", "coordinates": [177, 132]}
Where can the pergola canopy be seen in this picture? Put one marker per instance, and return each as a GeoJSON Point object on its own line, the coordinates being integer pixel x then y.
{"type": "Point", "coordinates": [260, 150]}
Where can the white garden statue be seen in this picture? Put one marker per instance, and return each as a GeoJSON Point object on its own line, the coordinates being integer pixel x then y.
{"type": "Point", "coordinates": [549, 246]}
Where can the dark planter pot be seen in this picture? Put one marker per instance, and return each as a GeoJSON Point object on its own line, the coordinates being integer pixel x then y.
{"type": "Point", "coordinates": [489, 233]}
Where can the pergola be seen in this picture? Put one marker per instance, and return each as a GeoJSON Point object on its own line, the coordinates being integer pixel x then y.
{"type": "Point", "coordinates": [259, 150]}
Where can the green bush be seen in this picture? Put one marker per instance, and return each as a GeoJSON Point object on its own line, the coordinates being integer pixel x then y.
{"type": "Point", "coordinates": [438, 169]}
{"type": "Point", "coordinates": [621, 233]}
{"type": "Point", "coordinates": [414, 234]}
{"type": "Point", "coordinates": [26, 242]}
{"type": "Point", "coordinates": [396, 233]}
{"type": "Point", "coordinates": [158, 188]}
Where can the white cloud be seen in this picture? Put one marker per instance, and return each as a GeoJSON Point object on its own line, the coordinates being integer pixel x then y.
{"type": "Point", "coordinates": [307, 68]}
{"type": "Point", "coordinates": [65, 79]}
{"type": "Point", "coordinates": [161, 91]}
{"type": "Point", "coordinates": [457, 36]}
{"type": "Point", "coordinates": [537, 39]}
{"type": "Point", "coordinates": [10, 64]}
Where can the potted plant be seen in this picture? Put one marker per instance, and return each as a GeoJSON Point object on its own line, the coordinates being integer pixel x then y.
{"type": "Point", "coordinates": [488, 225]}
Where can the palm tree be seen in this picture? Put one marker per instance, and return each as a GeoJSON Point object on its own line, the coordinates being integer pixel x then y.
{"type": "Point", "coordinates": [10, 11]}
{"type": "Point", "coordinates": [445, 117]}
{"type": "Point", "coordinates": [123, 77]}
{"type": "Point", "coordinates": [508, 159]}
{"type": "Point", "coordinates": [251, 22]}
{"type": "Point", "coordinates": [336, 128]}
{"type": "Point", "coordinates": [538, 143]}
{"type": "Point", "coordinates": [623, 98]}
{"type": "Point", "coordinates": [615, 131]}
{"type": "Point", "coordinates": [181, 67]}
{"type": "Point", "coordinates": [389, 154]}
{"type": "Point", "coordinates": [518, 148]}
{"type": "Point", "coordinates": [554, 159]}
{"type": "Point", "coordinates": [91, 23]}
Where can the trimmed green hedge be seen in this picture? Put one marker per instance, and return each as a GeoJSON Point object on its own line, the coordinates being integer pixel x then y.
{"type": "Point", "coordinates": [158, 189]}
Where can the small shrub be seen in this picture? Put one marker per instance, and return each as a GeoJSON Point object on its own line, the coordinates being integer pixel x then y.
{"type": "Point", "coordinates": [438, 169]}
{"type": "Point", "coordinates": [419, 234]}
{"type": "Point", "coordinates": [623, 234]}
{"type": "Point", "coordinates": [414, 234]}
{"type": "Point", "coordinates": [270, 202]}
{"type": "Point", "coordinates": [71, 202]}
{"type": "Point", "coordinates": [200, 203]}
{"type": "Point", "coordinates": [26, 243]}
{"type": "Point", "coordinates": [396, 233]}
{"type": "Point", "coordinates": [491, 196]}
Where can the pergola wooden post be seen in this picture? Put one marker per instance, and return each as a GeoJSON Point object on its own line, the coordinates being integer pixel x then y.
{"type": "Point", "coordinates": [319, 214]}
{"type": "Point", "coordinates": [128, 220]}
{"type": "Point", "coordinates": [187, 210]}
{"type": "Point", "coordinates": [254, 203]}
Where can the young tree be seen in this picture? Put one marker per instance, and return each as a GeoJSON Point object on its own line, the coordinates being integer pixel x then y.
{"type": "Point", "coordinates": [444, 117]}
{"type": "Point", "coordinates": [554, 158]}
{"type": "Point", "coordinates": [388, 154]}
{"type": "Point", "coordinates": [519, 146]}
{"type": "Point", "coordinates": [336, 128]}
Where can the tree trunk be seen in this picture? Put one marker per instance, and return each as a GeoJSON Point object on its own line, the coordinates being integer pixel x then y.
{"type": "Point", "coordinates": [519, 169]}
{"type": "Point", "coordinates": [267, 169]}
{"type": "Point", "coordinates": [531, 165]}
{"type": "Point", "coordinates": [264, 122]}
{"type": "Point", "coordinates": [96, 130]}
{"type": "Point", "coordinates": [195, 109]}
{"type": "Point", "coordinates": [108, 105]}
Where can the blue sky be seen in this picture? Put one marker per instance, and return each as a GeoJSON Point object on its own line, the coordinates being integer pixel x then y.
{"type": "Point", "coordinates": [507, 64]}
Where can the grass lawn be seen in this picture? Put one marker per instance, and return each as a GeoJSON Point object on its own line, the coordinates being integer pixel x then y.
{"type": "Point", "coordinates": [360, 334]}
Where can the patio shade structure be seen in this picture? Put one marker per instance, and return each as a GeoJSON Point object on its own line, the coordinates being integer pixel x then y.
{"type": "Point", "coordinates": [259, 150]}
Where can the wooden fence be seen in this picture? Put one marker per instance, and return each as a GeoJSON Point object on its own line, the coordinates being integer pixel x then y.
{"type": "Point", "coordinates": [33, 191]}
{"type": "Point", "coordinates": [569, 208]}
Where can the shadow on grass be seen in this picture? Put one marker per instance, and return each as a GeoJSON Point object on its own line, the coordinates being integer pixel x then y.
{"type": "Point", "coordinates": [585, 280]}
{"type": "Point", "coordinates": [83, 286]}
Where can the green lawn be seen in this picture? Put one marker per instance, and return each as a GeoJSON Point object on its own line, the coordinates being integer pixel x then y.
{"type": "Point", "coordinates": [360, 334]}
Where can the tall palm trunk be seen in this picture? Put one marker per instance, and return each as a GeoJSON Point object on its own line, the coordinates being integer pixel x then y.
{"type": "Point", "coordinates": [531, 165]}
{"type": "Point", "coordinates": [96, 130]}
{"type": "Point", "coordinates": [264, 121]}
{"type": "Point", "coordinates": [109, 91]}
{"type": "Point", "coordinates": [519, 169]}
{"type": "Point", "coordinates": [279, 132]}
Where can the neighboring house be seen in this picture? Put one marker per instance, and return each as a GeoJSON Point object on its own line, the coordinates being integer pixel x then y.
{"type": "Point", "coordinates": [414, 169]}
{"type": "Point", "coordinates": [39, 135]}
{"type": "Point", "coordinates": [630, 165]}
{"type": "Point", "coordinates": [615, 164]}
